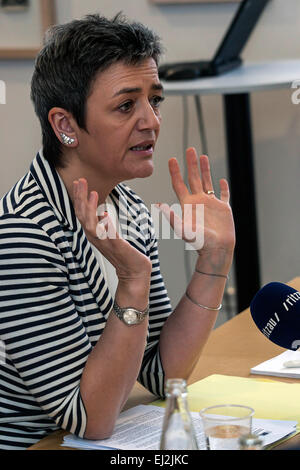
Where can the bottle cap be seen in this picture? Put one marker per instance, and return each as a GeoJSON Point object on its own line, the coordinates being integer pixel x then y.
{"type": "Point", "coordinates": [176, 384]}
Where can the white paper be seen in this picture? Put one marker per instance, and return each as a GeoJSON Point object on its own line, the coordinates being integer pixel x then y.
{"type": "Point", "coordinates": [139, 428]}
{"type": "Point", "coordinates": [274, 366]}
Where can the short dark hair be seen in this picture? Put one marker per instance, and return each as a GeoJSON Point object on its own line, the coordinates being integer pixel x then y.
{"type": "Point", "coordinates": [72, 56]}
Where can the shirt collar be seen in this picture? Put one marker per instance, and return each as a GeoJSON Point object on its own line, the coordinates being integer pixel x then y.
{"type": "Point", "coordinates": [54, 190]}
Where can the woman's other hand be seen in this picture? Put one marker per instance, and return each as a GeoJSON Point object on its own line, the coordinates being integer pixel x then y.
{"type": "Point", "coordinates": [213, 232]}
{"type": "Point", "coordinates": [131, 265]}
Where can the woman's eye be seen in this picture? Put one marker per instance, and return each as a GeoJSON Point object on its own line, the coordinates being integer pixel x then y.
{"type": "Point", "coordinates": [126, 107]}
{"type": "Point", "coordinates": [156, 101]}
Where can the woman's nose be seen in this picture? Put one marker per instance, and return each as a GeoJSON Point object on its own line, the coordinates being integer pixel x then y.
{"type": "Point", "coordinates": [149, 118]}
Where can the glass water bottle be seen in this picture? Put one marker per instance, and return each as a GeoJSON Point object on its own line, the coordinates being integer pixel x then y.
{"type": "Point", "coordinates": [178, 431]}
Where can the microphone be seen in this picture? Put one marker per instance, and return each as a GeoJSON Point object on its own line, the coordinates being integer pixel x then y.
{"type": "Point", "coordinates": [275, 310]}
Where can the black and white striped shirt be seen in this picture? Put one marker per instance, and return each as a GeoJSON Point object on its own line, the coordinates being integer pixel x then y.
{"type": "Point", "coordinates": [54, 304]}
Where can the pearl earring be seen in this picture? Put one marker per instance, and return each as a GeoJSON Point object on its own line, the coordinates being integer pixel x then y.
{"type": "Point", "coordinates": [67, 140]}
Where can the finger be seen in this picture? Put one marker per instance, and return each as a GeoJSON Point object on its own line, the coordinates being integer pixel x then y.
{"type": "Point", "coordinates": [206, 174]}
{"type": "Point", "coordinates": [174, 220]}
{"type": "Point", "coordinates": [91, 211]}
{"type": "Point", "coordinates": [224, 191]}
{"type": "Point", "coordinates": [193, 171]}
{"type": "Point", "coordinates": [177, 182]}
{"type": "Point", "coordinates": [83, 189]}
{"type": "Point", "coordinates": [93, 200]}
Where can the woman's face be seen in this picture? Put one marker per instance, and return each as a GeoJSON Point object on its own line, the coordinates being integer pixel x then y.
{"type": "Point", "coordinates": [123, 121]}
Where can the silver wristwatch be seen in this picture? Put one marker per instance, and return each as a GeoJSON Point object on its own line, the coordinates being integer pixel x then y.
{"type": "Point", "coordinates": [129, 315]}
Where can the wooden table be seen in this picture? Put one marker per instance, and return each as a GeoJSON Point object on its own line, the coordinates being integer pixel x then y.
{"type": "Point", "coordinates": [232, 349]}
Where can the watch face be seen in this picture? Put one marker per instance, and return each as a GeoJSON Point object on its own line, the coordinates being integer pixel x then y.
{"type": "Point", "coordinates": [130, 316]}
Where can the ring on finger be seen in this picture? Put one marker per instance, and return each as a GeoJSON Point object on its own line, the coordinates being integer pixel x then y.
{"type": "Point", "coordinates": [211, 191]}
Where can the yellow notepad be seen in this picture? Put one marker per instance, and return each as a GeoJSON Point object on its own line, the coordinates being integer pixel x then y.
{"type": "Point", "coordinates": [270, 399]}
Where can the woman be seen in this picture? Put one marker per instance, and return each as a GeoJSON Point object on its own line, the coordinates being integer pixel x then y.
{"type": "Point", "coordinates": [74, 343]}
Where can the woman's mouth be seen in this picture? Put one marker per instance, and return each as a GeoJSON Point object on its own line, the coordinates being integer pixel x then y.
{"type": "Point", "coordinates": [142, 150]}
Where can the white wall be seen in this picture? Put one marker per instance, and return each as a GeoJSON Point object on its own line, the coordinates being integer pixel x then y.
{"type": "Point", "coordinates": [192, 32]}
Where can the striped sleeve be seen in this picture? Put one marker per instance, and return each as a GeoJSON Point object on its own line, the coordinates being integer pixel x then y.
{"type": "Point", "coordinates": [41, 331]}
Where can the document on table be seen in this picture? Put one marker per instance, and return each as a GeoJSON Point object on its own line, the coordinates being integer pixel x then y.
{"type": "Point", "coordinates": [139, 428]}
{"type": "Point", "coordinates": [275, 366]}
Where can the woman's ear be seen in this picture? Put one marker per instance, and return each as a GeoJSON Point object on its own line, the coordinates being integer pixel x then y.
{"type": "Point", "coordinates": [60, 121]}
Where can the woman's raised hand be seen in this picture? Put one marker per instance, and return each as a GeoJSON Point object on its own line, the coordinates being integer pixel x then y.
{"type": "Point", "coordinates": [214, 231]}
{"type": "Point", "coordinates": [130, 264]}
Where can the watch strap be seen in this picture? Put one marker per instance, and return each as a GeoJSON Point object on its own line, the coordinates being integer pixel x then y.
{"type": "Point", "coordinates": [130, 315]}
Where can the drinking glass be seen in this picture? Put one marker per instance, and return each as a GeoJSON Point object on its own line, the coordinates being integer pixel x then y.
{"type": "Point", "coordinates": [223, 425]}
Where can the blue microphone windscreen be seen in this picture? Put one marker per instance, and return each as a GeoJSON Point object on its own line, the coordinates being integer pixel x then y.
{"type": "Point", "coordinates": [275, 310]}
